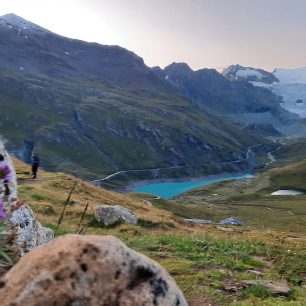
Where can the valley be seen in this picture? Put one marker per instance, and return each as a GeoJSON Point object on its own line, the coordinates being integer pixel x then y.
{"type": "Point", "coordinates": [94, 122]}
{"type": "Point", "coordinates": [250, 200]}
{"type": "Point", "coordinates": [207, 168]}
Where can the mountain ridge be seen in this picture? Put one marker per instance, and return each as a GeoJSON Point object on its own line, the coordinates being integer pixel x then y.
{"type": "Point", "coordinates": [236, 99]}
{"type": "Point", "coordinates": [102, 109]}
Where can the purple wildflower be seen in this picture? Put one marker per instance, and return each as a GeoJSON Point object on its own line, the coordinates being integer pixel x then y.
{"type": "Point", "coordinates": [3, 214]}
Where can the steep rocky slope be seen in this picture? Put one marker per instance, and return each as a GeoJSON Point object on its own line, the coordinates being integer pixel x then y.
{"type": "Point", "coordinates": [92, 109]}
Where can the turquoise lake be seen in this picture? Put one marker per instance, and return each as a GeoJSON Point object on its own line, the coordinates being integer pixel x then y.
{"type": "Point", "coordinates": [170, 190]}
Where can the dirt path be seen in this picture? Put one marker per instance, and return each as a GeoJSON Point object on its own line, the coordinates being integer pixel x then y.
{"type": "Point", "coordinates": [247, 157]}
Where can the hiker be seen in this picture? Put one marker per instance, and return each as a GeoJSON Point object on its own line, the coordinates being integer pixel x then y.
{"type": "Point", "coordinates": [6, 175]}
{"type": "Point", "coordinates": [35, 165]}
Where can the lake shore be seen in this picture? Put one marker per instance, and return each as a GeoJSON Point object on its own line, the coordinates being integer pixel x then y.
{"type": "Point", "coordinates": [203, 180]}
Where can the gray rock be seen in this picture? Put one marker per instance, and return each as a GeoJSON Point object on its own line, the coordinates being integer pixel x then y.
{"type": "Point", "coordinates": [30, 232]}
{"type": "Point", "coordinates": [224, 229]}
{"type": "Point", "coordinates": [274, 287]}
{"type": "Point", "coordinates": [255, 272]}
{"type": "Point", "coordinates": [109, 215]}
{"type": "Point", "coordinates": [88, 270]}
{"type": "Point", "coordinates": [199, 221]}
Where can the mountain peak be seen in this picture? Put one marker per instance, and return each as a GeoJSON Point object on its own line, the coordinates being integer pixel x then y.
{"type": "Point", "coordinates": [256, 76]}
{"type": "Point", "coordinates": [180, 68]}
{"type": "Point", "coordinates": [15, 21]}
{"type": "Point", "coordinates": [10, 16]}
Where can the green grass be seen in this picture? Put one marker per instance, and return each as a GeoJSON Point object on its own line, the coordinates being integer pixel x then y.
{"type": "Point", "coordinates": [208, 263]}
{"type": "Point", "coordinates": [257, 291]}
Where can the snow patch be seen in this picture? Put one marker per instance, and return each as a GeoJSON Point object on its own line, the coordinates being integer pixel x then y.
{"type": "Point", "coordinates": [287, 192]}
{"type": "Point", "coordinates": [291, 93]}
{"type": "Point", "coordinates": [260, 84]}
{"type": "Point", "coordinates": [244, 73]}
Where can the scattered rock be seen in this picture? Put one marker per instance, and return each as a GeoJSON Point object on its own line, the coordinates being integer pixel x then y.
{"type": "Point", "coordinates": [199, 221]}
{"type": "Point", "coordinates": [88, 270]}
{"type": "Point", "coordinates": [148, 203]}
{"type": "Point", "coordinates": [109, 215]}
{"type": "Point", "coordinates": [30, 232]}
{"type": "Point", "coordinates": [234, 287]}
{"type": "Point", "coordinates": [232, 221]}
{"type": "Point", "coordinates": [255, 272]}
{"type": "Point", "coordinates": [264, 260]}
{"type": "Point", "coordinates": [224, 229]}
{"type": "Point", "coordinates": [274, 287]}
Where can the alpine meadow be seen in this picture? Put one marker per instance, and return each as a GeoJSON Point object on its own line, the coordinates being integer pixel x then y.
{"type": "Point", "coordinates": [152, 153]}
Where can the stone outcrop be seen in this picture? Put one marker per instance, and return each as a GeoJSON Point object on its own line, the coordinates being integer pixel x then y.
{"type": "Point", "coordinates": [88, 270]}
{"type": "Point", "coordinates": [109, 215]}
{"type": "Point", "coordinates": [30, 232]}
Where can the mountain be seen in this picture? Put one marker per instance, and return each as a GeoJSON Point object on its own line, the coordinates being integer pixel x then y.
{"type": "Point", "coordinates": [252, 75]}
{"type": "Point", "coordinates": [92, 109]}
{"type": "Point", "coordinates": [230, 95]}
{"type": "Point", "coordinates": [288, 84]}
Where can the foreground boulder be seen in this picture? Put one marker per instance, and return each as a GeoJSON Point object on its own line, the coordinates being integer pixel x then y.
{"type": "Point", "coordinates": [109, 215]}
{"type": "Point", "coordinates": [30, 233]}
{"type": "Point", "coordinates": [88, 270]}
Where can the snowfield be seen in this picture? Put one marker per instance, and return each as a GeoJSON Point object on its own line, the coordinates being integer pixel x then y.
{"type": "Point", "coordinates": [290, 84]}
{"type": "Point", "coordinates": [292, 88]}
{"type": "Point", "coordinates": [244, 73]}
{"type": "Point", "coordinates": [291, 76]}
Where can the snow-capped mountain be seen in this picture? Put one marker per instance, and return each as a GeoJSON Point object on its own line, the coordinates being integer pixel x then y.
{"type": "Point", "coordinates": [288, 84]}
{"type": "Point", "coordinates": [258, 77]}
{"type": "Point", "coordinates": [255, 107]}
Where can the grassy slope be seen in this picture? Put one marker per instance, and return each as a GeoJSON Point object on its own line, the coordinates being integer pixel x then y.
{"type": "Point", "coordinates": [202, 259]}
{"type": "Point", "coordinates": [292, 151]}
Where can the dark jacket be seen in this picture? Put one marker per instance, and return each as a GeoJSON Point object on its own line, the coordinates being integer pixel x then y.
{"type": "Point", "coordinates": [35, 160]}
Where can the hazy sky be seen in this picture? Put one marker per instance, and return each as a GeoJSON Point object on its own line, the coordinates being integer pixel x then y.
{"type": "Point", "coordinates": [203, 33]}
